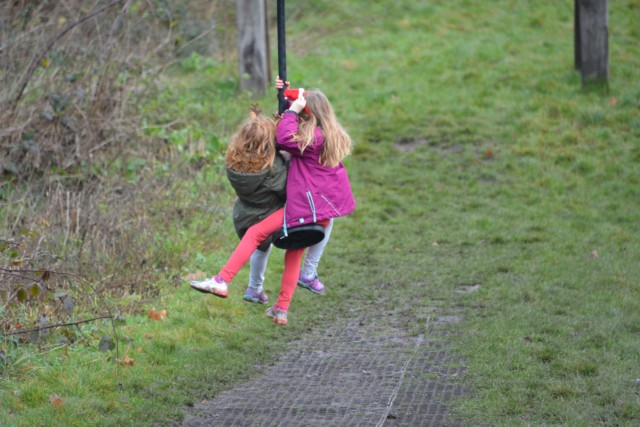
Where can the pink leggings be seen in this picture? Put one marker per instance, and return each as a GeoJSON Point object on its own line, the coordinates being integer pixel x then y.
{"type": "Point", "coordinates": [254, 236]}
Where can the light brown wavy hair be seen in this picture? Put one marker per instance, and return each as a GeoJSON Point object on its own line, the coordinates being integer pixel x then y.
{"type": "Point", "coordinates": [253, 146]}
{"type": "Point", "coordinates": [337, 142]}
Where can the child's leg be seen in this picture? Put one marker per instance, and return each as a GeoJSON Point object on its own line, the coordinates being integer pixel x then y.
{"type": "Point", "coordinates": [258, 265]}
{"type": "Point", "coordinates": [255, 235]}
{"type": "Point", "coordinates": [292, 258]}
{"type": "Point", "coordinates": [314, 253]}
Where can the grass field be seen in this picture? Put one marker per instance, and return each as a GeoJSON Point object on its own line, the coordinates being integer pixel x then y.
{"type": "Point", "coordinates": [479, 160]}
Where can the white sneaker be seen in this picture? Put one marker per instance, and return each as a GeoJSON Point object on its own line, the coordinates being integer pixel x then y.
{"type": "Point", "coordinates": [212, 285]}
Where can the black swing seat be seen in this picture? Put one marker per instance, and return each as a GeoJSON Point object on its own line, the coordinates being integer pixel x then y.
{"type": "Point", "coordinates": [299, 237]}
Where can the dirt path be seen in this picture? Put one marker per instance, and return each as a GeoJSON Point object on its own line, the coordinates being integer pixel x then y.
{"type": "Point", "coordinates": [365, 370]}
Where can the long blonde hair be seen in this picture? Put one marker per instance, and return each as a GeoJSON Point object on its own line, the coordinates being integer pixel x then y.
{"type": "Point", "coordinates": [253, 147]}
{"type": "Point", "coordinates": [337, 142]}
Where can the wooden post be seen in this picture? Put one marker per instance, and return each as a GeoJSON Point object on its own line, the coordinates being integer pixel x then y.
{"type": "Point", "coordinates": [593, 39]}
{"type": "Point", "coordinates": [253, 46]}
{"type": "Point", "coordinates": [576, 35]}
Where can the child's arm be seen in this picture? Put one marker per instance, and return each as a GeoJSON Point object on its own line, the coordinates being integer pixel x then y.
{"type": "Point", "coordinates": [286, 131]}
{"type": "Point", "coordinates": [287, 127]}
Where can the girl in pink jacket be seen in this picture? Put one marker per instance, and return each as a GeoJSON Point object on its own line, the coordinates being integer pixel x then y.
{"type": "Point", "coordinates": [318, 189]}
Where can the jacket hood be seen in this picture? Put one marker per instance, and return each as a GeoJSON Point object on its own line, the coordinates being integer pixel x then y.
{"type": "Point", "coordinates": [245, 184]}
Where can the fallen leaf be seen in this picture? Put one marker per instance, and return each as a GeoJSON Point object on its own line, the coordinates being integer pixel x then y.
{"type": "Point", "coordinates": [488, 152]}
{"type": "Point", "coordinates": [349, 65]}
{"type": "Point", "coordinates": [55, 400]}
{"type": "Point", "coordinates": [613, 102]}
{"type": "Point", "coordinates": [157, 315]}
{"type": "Point", "coordinates": [127, 361]}
{"type": "Point", "coordinates": [594, 254]}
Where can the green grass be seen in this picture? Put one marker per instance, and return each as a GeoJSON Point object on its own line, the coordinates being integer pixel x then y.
{"type": "Point", "coordinates": [520, 181]}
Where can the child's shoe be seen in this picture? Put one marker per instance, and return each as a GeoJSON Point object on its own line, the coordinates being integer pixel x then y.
{"type": "Point", "coordinates": [251, 295]}
{"type": "Point", "coordinates": [212, 285]}
{"type": "Point", "coordinates": [313, 284]}
{"type": "Point", "coordinates": [278, 315]}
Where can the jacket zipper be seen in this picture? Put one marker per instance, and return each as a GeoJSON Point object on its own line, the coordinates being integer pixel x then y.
{"type": "Point", "coordinates": [311, 205]}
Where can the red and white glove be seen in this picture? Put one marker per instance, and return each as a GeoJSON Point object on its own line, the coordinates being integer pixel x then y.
{"type": "Point", "coordinates": [300, 102]}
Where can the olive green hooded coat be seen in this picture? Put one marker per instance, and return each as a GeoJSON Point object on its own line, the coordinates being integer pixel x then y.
{"type": "Point", "coordinates": [259, 195]}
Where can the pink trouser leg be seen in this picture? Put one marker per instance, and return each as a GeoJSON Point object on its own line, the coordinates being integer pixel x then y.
{"type": "Point", "coordinates": [292, 261]}
{"type": "Point", "coordinates": [254, 236]}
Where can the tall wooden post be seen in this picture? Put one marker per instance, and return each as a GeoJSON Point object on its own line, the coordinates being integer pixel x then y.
{"type": "Point", "coordinates": [577, 62]}
{"type": "Point", "coordinates": [592, 40]}
{"type": "Point", "coordinates": [253, 46]}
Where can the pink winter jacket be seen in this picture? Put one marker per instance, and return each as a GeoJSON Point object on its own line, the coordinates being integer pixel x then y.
{"type": "Point", "coordinates": [314, 192]}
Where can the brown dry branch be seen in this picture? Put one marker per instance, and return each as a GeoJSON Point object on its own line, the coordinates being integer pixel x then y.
{"type": "Point", "coordinates": [57, 325]}
{"type": "Point", "coordinates": [114, 25]}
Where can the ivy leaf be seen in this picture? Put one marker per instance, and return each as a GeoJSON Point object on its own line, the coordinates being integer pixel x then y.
{"type": "Point", "coordinates": [22, 295]}
{"type": "Point", "coordinates": [106, 344]}
{"type": "Point", "coordinates": [68, 303]}
{"type": "Point", "coordinates": [35, 290]}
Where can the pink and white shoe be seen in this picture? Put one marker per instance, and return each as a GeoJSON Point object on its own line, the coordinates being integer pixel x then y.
{"type": "Point", "coordinates": [212, 285]}
{"type": "Point", "coordinates": [278, 315]}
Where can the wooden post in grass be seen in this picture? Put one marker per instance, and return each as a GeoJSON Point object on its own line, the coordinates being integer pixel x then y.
{"type": "Point", "coordinates": [591, 38]}
{"type": "Point", "coordinates": [253, 46]}
{"type": "Point", "coordinates": [576, 35]}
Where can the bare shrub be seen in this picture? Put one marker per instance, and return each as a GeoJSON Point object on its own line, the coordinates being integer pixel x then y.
{"type": "Point", "coordinates": [72, 77]}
